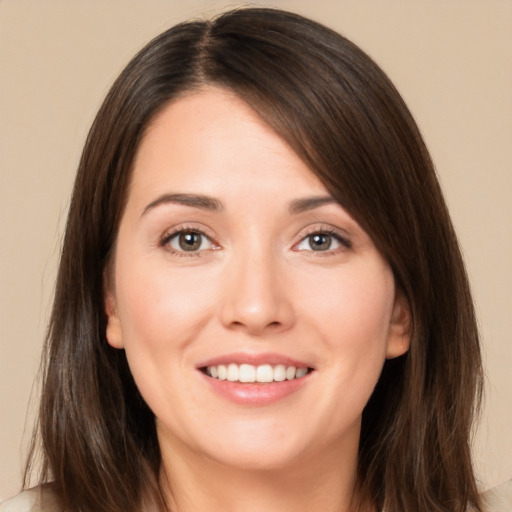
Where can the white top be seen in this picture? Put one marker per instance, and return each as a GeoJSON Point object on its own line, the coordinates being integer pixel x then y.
{"type": "Point", "coordinates": [31, 500]}
{"type": "Point", "coordinates": [497, 499]}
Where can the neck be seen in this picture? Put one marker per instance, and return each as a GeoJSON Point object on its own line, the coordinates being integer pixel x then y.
{"type": "Point", "coordinates": [194, 482]}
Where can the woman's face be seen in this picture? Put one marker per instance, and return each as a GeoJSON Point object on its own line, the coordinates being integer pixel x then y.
{"type": "Point", "coordinates": [255, 313]}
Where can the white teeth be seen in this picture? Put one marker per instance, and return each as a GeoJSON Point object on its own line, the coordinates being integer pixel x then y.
{"type": "Point", "coordinates": [248, 373]}
{"type": "Point", "coordinates": [300, 372]}
{"type": "Point", "coordinates": [222, 372]}
{"type": "Point", "coordinates": [232, 373]}
{"type": "Point", "coordinates": [280, 372]}
{"type": "Point", "coordinates": [290, 372]}
{"type": "Point", "coordinates": [264, 373]}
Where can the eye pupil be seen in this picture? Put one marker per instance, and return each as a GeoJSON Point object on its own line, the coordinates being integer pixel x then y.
{"type": "Point", "coordinates": [189, 241]}
{"type": "Point", "coordinates": [320, 242]}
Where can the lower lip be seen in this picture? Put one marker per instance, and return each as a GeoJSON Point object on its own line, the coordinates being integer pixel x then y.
{"type": "Point", "coordinates": [254, 393]}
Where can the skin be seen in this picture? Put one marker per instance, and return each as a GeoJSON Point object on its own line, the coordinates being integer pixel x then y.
{"type": "Point", "coordinates": [255, 285]}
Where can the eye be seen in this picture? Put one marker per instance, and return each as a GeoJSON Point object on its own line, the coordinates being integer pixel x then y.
{"type": "Point", "coordinates": [188, 241]}
{"type": "Point", "coordinates": [322, 241]}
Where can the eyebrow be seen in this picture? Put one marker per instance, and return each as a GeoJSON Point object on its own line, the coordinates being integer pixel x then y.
{"type": "Point", "coordinates": [310, 203]}
{"type": "Point", "coordinates": [211, 204]}
{"type": "Point", "coordinates": [193, 200]}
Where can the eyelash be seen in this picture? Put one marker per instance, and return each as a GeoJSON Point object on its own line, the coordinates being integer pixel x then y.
{"type": "Point", "coordinates": [166, 239]}
{"type": "Point", "coordinates": [343, 241]}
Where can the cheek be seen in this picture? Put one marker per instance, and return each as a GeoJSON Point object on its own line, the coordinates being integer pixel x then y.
{"type": "Point", "coordinates": [161, 313]}
{"type": "Point", "coordinates": [351, 305]}
{"type": "Point", "coordinates": [353, 322]}
{"type": "Point", "coordinates": [157, 302]}
{"type": "Point", "coordinates": [352, 319]}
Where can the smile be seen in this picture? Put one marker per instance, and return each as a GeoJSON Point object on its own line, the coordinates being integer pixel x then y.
{"type": "Point", "coordinates": [248, 373]}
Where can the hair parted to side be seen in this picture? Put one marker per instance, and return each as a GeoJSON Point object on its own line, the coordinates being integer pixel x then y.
{"type": "Point", "coordinates": [340, 113]}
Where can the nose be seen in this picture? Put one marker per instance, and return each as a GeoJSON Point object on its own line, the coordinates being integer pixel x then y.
{"type": "Point", "coordinates": [257, 299]}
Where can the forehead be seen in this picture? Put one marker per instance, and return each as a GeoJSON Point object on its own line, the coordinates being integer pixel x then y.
{"type": "Point", "coordinates": [211, 140]}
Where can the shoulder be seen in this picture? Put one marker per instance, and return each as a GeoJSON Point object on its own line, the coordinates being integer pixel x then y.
{"type": "Point", "coordinates": [37, 499]}
{"type": "Point", "coordinates": [498, 499]}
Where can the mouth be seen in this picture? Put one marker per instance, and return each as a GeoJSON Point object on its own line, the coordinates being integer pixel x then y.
{"type": "Point", "coordinates": [256, 379]}
{"type": "Point", "coordinates": [259, 374]}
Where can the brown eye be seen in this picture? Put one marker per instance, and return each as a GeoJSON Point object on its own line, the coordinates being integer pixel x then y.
{"type": "Point", "coordinates": [188, 241]}
{"type": "Point", "coordinates": [320, 242]}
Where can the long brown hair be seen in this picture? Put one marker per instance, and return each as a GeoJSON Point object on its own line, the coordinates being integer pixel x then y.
{"type": "Point", "coordinates": [344, 118]}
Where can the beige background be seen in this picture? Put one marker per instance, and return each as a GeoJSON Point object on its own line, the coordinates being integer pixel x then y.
{"type": "Point", "coordinates": [452, 60]}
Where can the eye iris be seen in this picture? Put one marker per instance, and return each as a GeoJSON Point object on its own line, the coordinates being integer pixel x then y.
{"type": "Point", "coordinates": [189, 241]}
{"type": "Point", "coordinates": [320, 242]}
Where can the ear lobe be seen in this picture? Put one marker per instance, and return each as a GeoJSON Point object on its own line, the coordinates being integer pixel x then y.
{"type": "Point", "coordinates": [400, 327]}
{"type": "Point", "coordinates": [113, 332]}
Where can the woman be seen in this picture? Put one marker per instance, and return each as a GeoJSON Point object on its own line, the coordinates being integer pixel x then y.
{"type": "Point", "coordinates": [261, 302]}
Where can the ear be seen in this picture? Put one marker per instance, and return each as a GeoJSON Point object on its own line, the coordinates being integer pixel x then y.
{"type": "Point", "coordinates": [400, 327]}
{"type": "Point", "coordinates": [114, 333]}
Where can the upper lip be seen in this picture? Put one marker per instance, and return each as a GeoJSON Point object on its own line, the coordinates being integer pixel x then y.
{"type": "Point", "coordinates": [254, 359]}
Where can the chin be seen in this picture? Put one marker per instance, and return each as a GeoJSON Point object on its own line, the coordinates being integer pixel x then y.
{"type": "Point", "coordinates": [260, 445]}
{"type": "Point", "coordinates": [257, 458]}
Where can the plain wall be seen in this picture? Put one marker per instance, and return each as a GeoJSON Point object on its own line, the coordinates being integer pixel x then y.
{"type": "Point", "coordinates": [452, 61]}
